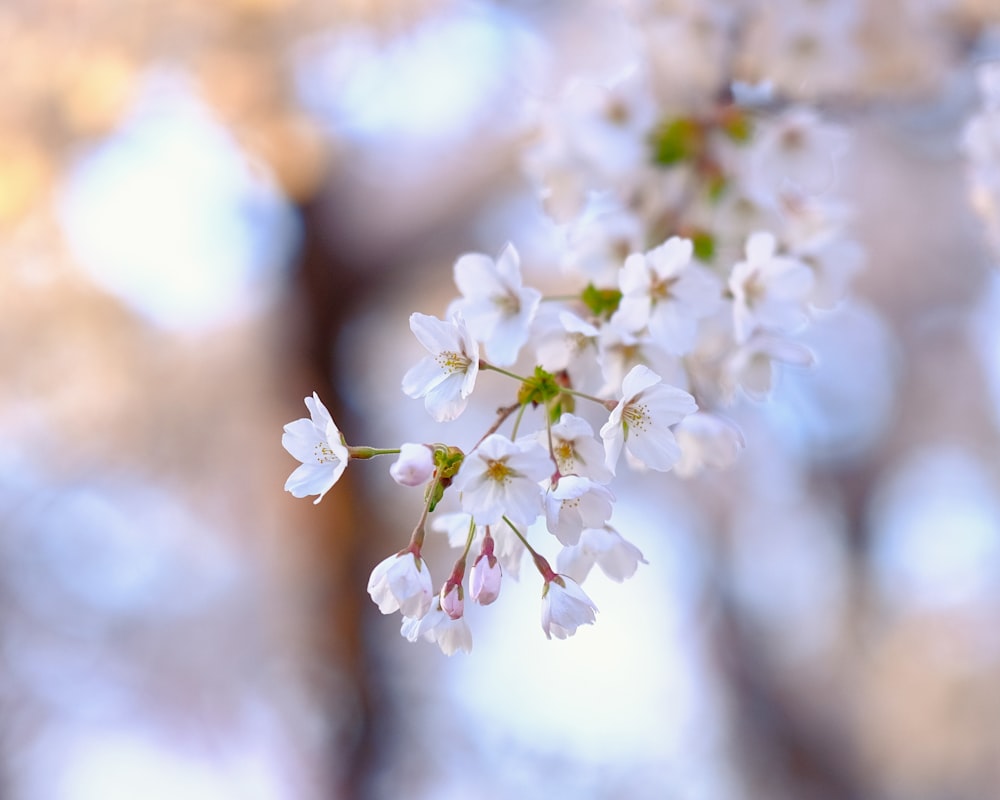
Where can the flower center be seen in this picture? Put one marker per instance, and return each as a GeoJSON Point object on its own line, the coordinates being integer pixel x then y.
{"type": "Point", "coordinates": [452, 362]}
{"type": "Point", "coordinates": [324, 454]}
{"type": "Point", "coordinates": [636, 415]}
{"type": "Point", "coordinates": [754, 288]}
{"type": "Point", "coordinates": [509, 304]}
{"type": "Point", "coordinates": [565, 456]}
{"type": "Point", "coordinates": [660, 289]}
{"type": "Point", "coordinates": [499, 471]}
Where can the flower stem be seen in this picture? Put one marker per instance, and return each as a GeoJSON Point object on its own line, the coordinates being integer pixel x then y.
{"type": "Point", "coordinates": [517, 422]}
{"type": "Point", "coordinates": [469, 538]}
{"type": "Point", "coordinates": [608, 404]}
{"type": "Point", "coordinates": [417, 538]}
{"type": "Point", "coordinates": [560, 298]}
{"type": "Point", "coordinates": [548, 432]}
{"type": "Point", "coordinates": [370, 452]}
{"type": "Point", "coordinates": [488, 365]}
{"type": "Point", "coordinates": [540, 563]}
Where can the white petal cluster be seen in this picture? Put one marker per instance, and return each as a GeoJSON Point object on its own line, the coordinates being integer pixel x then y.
{"type": "Point", "coordinates": [498, 308]}
{"type": "Point", "coordinates": [445, 378]}
{"type": "Point", "coordinates": [697, 233]}
{"type": "Point", "coordinates": [641, 421]}
{"type": "Point", "coordinates": [565, 607]}
{"type": "Point", "coordinates": [317, 443]}
{"type": "Point", "coordinates": [500, 478]}
{"type": "Point", "coordinates": [401, 582]}
{"type": "Point", "coordinates": [666, 292]}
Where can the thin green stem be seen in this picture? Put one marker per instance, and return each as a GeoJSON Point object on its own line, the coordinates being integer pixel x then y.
{"type": "Point", "coordinates": [469, 538]}
{"type": "Point", "coordinates": [541, 564]}
{"type": "Point", "coordinates": [513, 527]}
{"type": "Point", "coordinates": [560, 298]}
{"type": "Point", "coordinates": [502, 371]}
{"type": "Point", "coordinates": [517, 422]}
{"type": "Point", "coordinates": [371, 452]}
{"type": "Point", "coordinates": [608, 404]}
{"type": "Point", "coordinates": [548, 432]}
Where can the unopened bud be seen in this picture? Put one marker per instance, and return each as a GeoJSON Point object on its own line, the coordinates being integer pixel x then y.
{"type": "Point", "coordinates": [453, 600]}
{"type": "Point", "coordinates": [484, 582]}
{"type": "Point", "coordinates": [414, 466]}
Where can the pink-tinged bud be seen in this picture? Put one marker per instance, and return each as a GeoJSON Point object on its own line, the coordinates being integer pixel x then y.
{"type": "Point", "coordinates": [484, 583]}
{"type": "Point", "coordinates": [414, 466]}
{"type": "Point", "coordinates": [453, 600]}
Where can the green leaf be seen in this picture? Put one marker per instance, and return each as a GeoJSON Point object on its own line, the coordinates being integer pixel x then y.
{"type": "Point", "coordinates": [601, 302]}
{"type": "Point", "coordinates": [677, 140]}
{"type": "Point", "coordinates": [704, 245]}
{"type": "Point", "coordinates": [539, 389]}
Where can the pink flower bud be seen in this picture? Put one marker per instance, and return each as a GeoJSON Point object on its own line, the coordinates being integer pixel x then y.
{"type": "Point", "coordinates": [484, 583]}
{"type": "Point", "coordinates": [453, 600]}
{"type": "Point", "coordinates": [414, 466]}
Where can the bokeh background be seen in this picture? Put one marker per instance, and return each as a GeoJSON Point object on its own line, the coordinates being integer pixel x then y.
{"type": "Point", "coordinates": [209, 210]}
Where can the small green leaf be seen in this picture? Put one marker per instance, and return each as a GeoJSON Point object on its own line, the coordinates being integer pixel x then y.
{"type": "Point", "coordinates": [704, 245]}
{"type": "Point", "coordinates": [677, 140]}
{"type": "Point", "coordinates": [601, 302]}
{"type": "Point", "coordinates": [539, 389]}
{"type": "Point", "coordinates": [435, 492]}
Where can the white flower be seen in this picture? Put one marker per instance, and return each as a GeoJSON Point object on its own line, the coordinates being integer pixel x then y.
{"type": "Point", "coordinates": [642, 418]}
{"type": "Point", "coordinates": [751, 366]}
{"type": "Point", "coordinates": [574, 504]}
{"type": "Point", "coordinates": [833, 263]}
{"type": "Point", "coordinates": [567, 342]}
{"type": "Point", "coordinates": [666, 291]}
{"type": "Point", "coordinates": [576, 450]}
{"type": "Point", "coordinates": [565, 607]}
{"type": "Point", "coordinates": [707, 440]}
{"type": "Point", "coordinates": [617, 558]}
{"type": "Point", "coordinates": [414, 466]}
{"type": "Point", "coordinates": [500, 478]}
{"type": "Point", "coordinates": [446, 378]}
{"type": "Point", "coordinates": [600, 240]}
{"type": "Point", "coordinates": [497, 307]}
{"type": "Point", "coordinates": [769, 291]}
{"type": "Point", "coordinates": [318, 444]}
{"type": "Point", "coordinates": [451, 635]}
{"type": "Point", "coordinates": [797, 147]}
{"type": "Point", "coordinates": [620, 351]}
{"type": "Point", "coordinates": [401, 582]}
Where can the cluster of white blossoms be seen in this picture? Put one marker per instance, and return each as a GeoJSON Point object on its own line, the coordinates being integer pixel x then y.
{"type": "Point", "coordinates": [981, 145]}
{"type": "Point", "coordinates": [699, 235]}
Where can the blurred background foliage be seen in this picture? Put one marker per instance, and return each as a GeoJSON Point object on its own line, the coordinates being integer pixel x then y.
{"type": "Point", "coordinates": [208, 210]}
